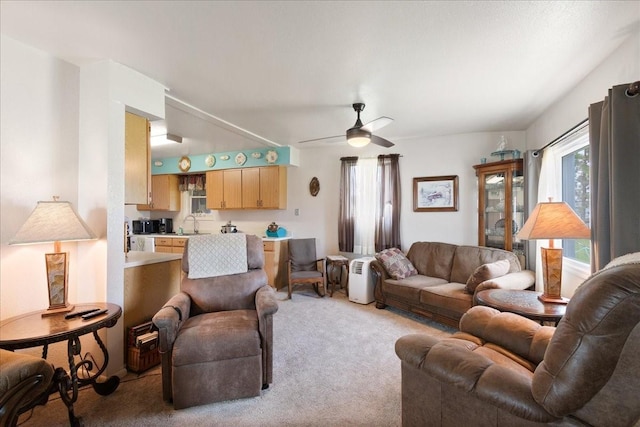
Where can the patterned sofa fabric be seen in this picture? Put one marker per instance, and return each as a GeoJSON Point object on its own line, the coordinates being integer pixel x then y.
{"type": "Point", "coordinates": [438, 291]}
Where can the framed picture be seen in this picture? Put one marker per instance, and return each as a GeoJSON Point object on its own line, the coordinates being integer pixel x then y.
{"type": "Point", "coordinates": [435, 194]}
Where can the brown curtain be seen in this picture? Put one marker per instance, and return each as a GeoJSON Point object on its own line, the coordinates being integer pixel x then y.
{"type": "Point", "coordinates": [388, 205]}
{"type": "Point", "coordinates": [614, 138]}
{"type": "Point", "coordinates": [347, 204]}
{"type": "Point", "coordinates": [192, 182]}
{"type": "Point", "coordinates": [532, 165]}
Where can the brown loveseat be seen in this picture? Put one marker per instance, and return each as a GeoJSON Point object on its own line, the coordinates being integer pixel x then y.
{"type": "Point", "coordinates": [502, 369]}
{"type": "Point", "coordinates": [438, 291]}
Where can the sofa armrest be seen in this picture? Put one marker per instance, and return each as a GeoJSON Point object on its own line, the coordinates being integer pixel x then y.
{"type": "Point", "coordinates": [519, 280]}
{"type": "Point", "coordinates": [515, 333]}
{"type": "Point", "coordinates": [169, 320]}
{"type": "Point", "coordinates": [452, 361]}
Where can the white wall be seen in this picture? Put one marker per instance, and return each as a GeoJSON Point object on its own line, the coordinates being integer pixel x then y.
{"type": "Point", "coordinates": [621, 67]}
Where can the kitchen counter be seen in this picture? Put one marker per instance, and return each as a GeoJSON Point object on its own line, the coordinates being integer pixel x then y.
{"type": "Point", "coordinates": [137, 258]}
{"type": "Point", "coordinates": [275, 239]}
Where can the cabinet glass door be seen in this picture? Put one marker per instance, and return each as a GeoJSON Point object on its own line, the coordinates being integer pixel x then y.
{"type": "Point", "coordinates": [517, 208]}
{"type": "Point", "coordinates": [494, 210]}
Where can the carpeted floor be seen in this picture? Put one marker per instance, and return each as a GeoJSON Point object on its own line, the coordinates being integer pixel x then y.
{"type": "Point", "coordinates": [334, 365]}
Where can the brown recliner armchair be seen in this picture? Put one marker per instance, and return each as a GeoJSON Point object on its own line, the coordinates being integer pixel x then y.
{"type": "Point", "coordinates": [502, 369]}
{"type": "Point", "coordinates": [25, 381]}
{"type": "Point", "coordinates": [216, 335]}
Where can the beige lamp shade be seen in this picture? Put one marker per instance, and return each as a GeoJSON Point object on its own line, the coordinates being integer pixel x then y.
{"type": "Point", "coordinates": [554, 220]}
{"type": "Point", "coordinates": [52, 222]}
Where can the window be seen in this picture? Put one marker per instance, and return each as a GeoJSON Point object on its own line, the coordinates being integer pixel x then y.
{"type": "Point", "coordinates": [572, 166]}
{"type": "Point", "coordinates": [198, 202]}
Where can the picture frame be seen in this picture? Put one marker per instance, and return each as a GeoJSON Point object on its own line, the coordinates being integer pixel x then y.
{"type": "Point", "coordinates": [435, 194]}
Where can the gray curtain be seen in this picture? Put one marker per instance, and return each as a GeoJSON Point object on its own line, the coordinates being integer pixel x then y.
{"type": "Point", "coordinates": [388, 205]}
{"type": "Point", "coordinates": [347, 203]}
{"type": "Point", "coordinates": [614, 138]}
{"type": "Point", "coordinates": [531, 169]}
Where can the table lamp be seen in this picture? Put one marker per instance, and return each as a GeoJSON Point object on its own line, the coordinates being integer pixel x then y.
{"type": "Point", "coordinates": [55, 222]}
{"type": "Point", "coordinates": [553, 220]}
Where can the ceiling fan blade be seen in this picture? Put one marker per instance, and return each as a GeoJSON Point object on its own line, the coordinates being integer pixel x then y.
{"type": "Point", "coordinates": [320, 139]}
{"type": "Point", "coordinates": [381, 141]}
{"type": "Point", "coordinates": [376, 124]}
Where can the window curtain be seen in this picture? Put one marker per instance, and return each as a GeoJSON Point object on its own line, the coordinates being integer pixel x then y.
{"type": "Point", "coordinates": [532, 166]}
{"type": "Point", "coordinates": [387, 228]}
{"type": "Point", "coordinates": [346, 214]}
{"type": "Point", "coordinates": [364, 227]}
{"type": "Point", "coordinates": [191, 182]}
{"type": "Point", "coordinates": [614, 138]}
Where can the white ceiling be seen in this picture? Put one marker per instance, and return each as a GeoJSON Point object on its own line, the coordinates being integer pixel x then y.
{"type": "Point", "coordinates": [289, 71]}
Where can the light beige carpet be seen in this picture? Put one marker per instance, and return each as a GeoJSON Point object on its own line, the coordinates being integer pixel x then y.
{"type": "Point", "coordinates": [334, 365]}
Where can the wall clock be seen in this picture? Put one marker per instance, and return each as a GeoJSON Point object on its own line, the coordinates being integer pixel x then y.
{"type": "Point", "coordinates": [314, 186]}
{"type": "Point", "coordinates": [184, 163]}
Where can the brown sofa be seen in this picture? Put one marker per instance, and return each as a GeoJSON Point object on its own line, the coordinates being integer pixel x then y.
{"type": "Point", "coordinates": [502, 369]}
{"type": "Point", "coordinates": [438, 290]}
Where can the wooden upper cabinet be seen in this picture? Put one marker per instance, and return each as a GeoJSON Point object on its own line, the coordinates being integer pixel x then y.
{"type": "Point", "coordinates": [224, 189]}
{"type": "Point", "coordinates": [247, 188]}
{"type": "Point", "coordinates": [137, 159]}
{"type": "Point", "coordinates": [165, 194]}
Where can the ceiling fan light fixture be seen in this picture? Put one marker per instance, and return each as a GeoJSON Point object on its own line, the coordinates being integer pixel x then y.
{"type": "Point", "coordinates": [357, 137]}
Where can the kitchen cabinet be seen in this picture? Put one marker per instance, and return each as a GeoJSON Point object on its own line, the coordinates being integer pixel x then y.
{"type": "Point", "coordinates": [275, 261]}
{"type": "Point", "coordinates": [224, 189]}
{"type": "Point", "coordinates": [165, 194]}
{"type": "Point", "coordinates": [247, 188]}
{"type": "Point", "coordinates": [170, 244]}
{"type": "Point", "coordinates": [137, 159]}
{"type": "Point", "coordinates": [264, 188]}
{"type": "Point", "coordinates": [501, 205]}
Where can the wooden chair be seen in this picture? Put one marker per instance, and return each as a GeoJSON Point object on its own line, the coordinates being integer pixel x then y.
{"type": "Point", "coordinates": [303, 267]}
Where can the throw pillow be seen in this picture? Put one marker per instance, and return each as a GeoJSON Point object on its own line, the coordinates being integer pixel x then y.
{"type": "Point", "coordinates": [396, 263]}
{"type": "Point", "coordinates": [486, 272]}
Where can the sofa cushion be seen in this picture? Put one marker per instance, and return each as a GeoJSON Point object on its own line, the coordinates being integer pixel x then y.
{"type": "Point", "coordinates": [468, 258]}
{"type": "Point", "coordinates": [409, 288]}
{"type": "Point", "coordinates": [396, 263]}
{"type": "Point", "coordinates": [447, 298]}
{"type": "Point", "coordinates": [433, 259]}
{"type": "Point", "coordinates": [486, 272]}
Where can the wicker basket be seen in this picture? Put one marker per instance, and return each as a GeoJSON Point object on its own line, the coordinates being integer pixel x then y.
{"type": "Point", "coordinates": [139, 361]}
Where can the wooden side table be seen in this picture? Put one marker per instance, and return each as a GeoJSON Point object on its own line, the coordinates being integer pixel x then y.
{"type": "Point", "coordinates": [33, 330]}
{"type": "Point", "coordinates": [524, 303]}
{"type": "Point", "coordinates": [337, 261]}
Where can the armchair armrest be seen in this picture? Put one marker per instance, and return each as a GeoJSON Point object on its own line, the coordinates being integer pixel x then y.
{"type": "Point", "coordinates": [519, 280]}
{"type": "Point", "coordinates": [522, 336]}
{"type": "Point", "coordinates": [266, 303]}
{"type": "Point", "coordinates": [169, 320]}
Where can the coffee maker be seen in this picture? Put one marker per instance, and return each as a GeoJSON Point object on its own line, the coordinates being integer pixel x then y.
{"type": "Point", "coordinates": [165, 225]}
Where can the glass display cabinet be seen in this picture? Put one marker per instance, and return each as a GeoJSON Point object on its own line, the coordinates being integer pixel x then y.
{"type": "Point", "coordinates": [501, 205]}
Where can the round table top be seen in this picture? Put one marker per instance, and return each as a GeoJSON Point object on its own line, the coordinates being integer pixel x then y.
{"type": "Point", "coordinates": [524, 303]}
{"type": "Point", "coordinates": [31, 329]}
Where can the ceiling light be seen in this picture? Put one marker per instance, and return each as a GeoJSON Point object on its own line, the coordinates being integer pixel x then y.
{"type": "Point", "coordinates": [164, 139]}
{"type": "Point", "coordinates": [357, 137]}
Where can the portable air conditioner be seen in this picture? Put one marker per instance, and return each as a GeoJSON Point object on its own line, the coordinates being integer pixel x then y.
{"type": "Point", "coordinates": [361, 282]}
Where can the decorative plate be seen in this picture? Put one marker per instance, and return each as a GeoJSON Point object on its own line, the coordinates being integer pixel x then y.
{"type": "Point", "coordinates": [314, 186]}
{"type": "Point", "coordinates": [210, 160]}
{"type": "Point", "coordinates": [184, 163]}
{"type": "Point", "coordinates": [272, 156]}
{"type": "Point", "coordinates": [225, 157]}
{"type": "Point", "coordinates": [240, 159]}
{"type": "Point", "coordinates": [256, 155]}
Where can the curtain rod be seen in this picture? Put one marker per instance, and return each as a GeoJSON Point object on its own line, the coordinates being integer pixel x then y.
{"type": "Point", "coordinates": [564, 135]}
{"type": "Point", "coordinates": [634, 89]}
{"type": "Point", "coordinates": [372, 157]}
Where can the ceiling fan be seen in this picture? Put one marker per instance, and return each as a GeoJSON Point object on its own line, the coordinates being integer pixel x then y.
{"type": "Point", "coordinates": [360, 135]}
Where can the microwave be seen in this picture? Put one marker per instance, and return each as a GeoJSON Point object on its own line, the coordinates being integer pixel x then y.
{"type": "Point", "coordinates": [145, 226]}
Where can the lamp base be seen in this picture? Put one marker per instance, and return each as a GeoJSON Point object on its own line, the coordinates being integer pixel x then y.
{"type": "Point", "coordinates": [557, 300]}
{"type": "Point", "coordinates": [57, 310]}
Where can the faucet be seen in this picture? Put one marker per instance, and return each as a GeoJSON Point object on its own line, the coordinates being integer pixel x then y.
{"type": "Point", "coordinates": [195, 223]}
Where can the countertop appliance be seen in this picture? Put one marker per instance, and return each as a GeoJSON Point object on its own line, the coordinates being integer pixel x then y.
{"type": "Point", "coordinates": [146, 226]}
{"type": "Point", "coordinates": [229, 228]}
{"type": "Point", "coordinates": [165, 225]}
{"type": "Point", "coordinates": [142, 243]}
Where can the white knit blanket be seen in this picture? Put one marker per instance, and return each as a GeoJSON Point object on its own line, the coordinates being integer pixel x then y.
{"type": "Point", "coordinates": [217, 255]}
